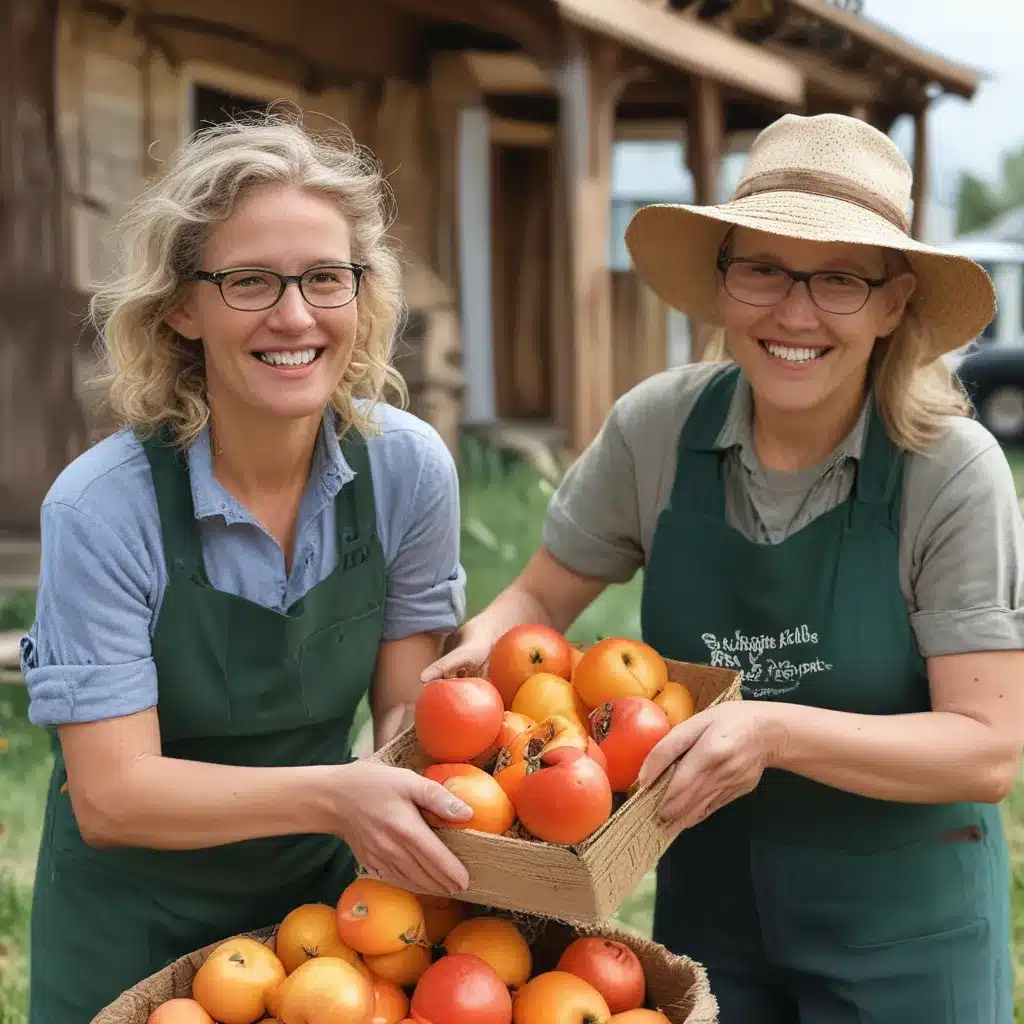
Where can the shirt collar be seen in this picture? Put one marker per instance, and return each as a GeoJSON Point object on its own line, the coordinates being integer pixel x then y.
{"type": "Point", "coordinates": [736, 430]}
{"type": "Point", "coordinates": [329, 473]}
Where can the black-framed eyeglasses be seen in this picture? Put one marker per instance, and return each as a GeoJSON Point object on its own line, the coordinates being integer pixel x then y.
{"type": "Point", "coordinates": [254, 288]}
{"type": "Point", "coordinates": [757, 283]}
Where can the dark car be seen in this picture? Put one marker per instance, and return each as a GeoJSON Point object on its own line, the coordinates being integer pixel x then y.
{"type": "Point", "coordinates": [993, 376]}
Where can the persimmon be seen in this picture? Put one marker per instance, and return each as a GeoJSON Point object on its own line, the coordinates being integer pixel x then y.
{"type": "Point", "coordinates": [595, 753]}
{"type": "Point", "coordinates": [403, 968]}
{"type": "Point", "coordinates": [460, 988]}
{"type": "Point", "coordinates": [497, 941]}
{"type": "Point", "coordinates": [390, 1003]}
{"type": "Point", "coordinates": [325, 990]}
{"type": "Point", "coordinates": [308, 931]}
{"type": "Point", "coordinates": [610, 966]}
{"type": "Point", "coordinates": [524, 651]}
{"type": "Point", "coordinates": [492, 809]}
{"type": "Point", "coordinates": [374, 917]}
{"type": "Point", "coordinates": [676, 701]}
{"type": "Point", "coordinates": [575, 657]}
{"type": "Point", "coordinates": [511, 726]}
{"type": "Point", "coordinates": [179, 1011]}
{"type": "Point", "coordinates": [565, 796]}
{"type": "Point", "coordinates": [545, 694]}
{"type": "Point", "coordinates": [458, 719]}
{"type": "Point", "coordinates": [640, 1016]}
{"type": "Point", "coordinates": [627, 729]}
{"type": "Point", "coordinates": [551, 732]}
{"type": "Point", "coordinates": [557, 997]}
{"type": "Point", "coordinates": [440, 915]}
{"type": "Point", "coordinates": [235, 980]}
{"type": "Point", "coordinates": [619, 667]}
{"type": "Point", "coordinates": [556, 731]}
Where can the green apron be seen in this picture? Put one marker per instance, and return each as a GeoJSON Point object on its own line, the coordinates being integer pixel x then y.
{"type": "Point", "coordinates": [807, 903]}
{"type": "Point", "coordinates": [239, 684]}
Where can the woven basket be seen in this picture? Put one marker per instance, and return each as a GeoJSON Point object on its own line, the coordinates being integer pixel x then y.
{"type": "Point", "coordinates": [677, 985]}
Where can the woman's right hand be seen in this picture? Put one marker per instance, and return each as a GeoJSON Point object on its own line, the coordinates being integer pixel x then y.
{"type": "Point", "coordinates": [379, 815]}
{"type": "Point", "coordinates": [467, 652]}
{"type": "Point", "coordinates": [545, 591]}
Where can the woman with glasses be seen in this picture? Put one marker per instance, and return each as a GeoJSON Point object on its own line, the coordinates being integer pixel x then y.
{"type": "Point", "coordinates": [815, 507]}
{"type": "Point", "coordinates": [264, 542]}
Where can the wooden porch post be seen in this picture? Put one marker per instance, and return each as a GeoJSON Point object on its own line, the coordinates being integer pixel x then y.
{"type": "Point", "coordinates": [921, 172]}
{"type": "Point", "coordinates": [41, 422]}
{"type": "Point", "coordinates": [705, 142]}
{"type": "Point", "coordinates": [589, 84]}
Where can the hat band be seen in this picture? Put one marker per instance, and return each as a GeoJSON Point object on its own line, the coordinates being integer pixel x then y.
{"type": "Point", "coordinates": [823, 183]}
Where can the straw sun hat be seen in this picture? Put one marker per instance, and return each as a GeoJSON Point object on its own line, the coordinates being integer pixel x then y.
{"type": "Point", "coordinates": [827, 178]}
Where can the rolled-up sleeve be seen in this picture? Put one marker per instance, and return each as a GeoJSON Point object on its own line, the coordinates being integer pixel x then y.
{"type": "Point", "coordinates": [969, 590]}
{"type": "Point", "coordinates": [593, 520]}
{"type": "Point", "coordinates": [88, 655]}
{"type": "Point", "coordinates": [426, 583]}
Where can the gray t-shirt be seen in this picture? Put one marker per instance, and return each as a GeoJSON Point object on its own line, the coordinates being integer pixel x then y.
{"type": "Point", "coordinates": [961, 545]}
{"type": "Point", "coordinates": [102, 573]}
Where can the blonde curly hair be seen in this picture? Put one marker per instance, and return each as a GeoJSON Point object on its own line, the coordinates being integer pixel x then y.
{"type": "Point", "coordinates": [153, 375]}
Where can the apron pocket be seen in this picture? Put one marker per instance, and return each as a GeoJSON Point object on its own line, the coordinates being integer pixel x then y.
{"type": "Point", "coordinates": [930, 887]}
{"type": "Point", "coordinates": [969, 935]}
{"type": "Point", "coordinates": [352, 642]}
{"type": "Point", "coordinates": [947, 977]}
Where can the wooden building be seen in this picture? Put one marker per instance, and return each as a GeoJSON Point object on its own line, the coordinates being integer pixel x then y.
{"type": "Point", "coordinates": [496, 121]}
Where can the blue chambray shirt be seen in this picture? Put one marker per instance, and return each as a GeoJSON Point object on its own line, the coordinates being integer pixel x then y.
{"type": "Point", "coordinates": [88, 655]}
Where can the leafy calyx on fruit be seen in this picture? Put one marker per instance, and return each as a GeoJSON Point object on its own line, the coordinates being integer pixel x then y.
{"type": "Point", "coordinates": [601, 721]}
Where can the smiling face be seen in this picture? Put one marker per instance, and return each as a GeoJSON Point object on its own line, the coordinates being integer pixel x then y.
{"type": "Point", "coordinates": [796, 355]}
{"type": "Point", "coordinates": [285, 361]}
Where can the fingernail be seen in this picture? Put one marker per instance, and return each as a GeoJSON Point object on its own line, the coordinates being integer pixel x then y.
{"type": "Point", "coordinates": [457, 809]}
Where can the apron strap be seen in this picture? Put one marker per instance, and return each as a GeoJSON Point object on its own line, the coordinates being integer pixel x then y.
{"type": "Point", "coordinates": [169, 465]}
{"type": "Point", "coordinates": [698, 480]}
{"type": "Point", "coordinates": [879, 482]}
{"type": "Point", "coordinates": [356, 531]}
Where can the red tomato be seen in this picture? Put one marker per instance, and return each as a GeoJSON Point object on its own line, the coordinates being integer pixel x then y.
{"type": "Point", "coordinates": [565, 796]}
{"type": "Point", "coordinates": [610, 966]}
{"type": "Point", "coordinates": [458, 719]}
{"type": "Point", "coordinates": [626, 730]}
{"type": "Point", "coordinates": [523, 652]}
{"type": "Point", "coordinates": [462, 988]}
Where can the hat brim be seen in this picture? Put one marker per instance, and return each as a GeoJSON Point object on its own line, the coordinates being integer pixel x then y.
{"type": "Point", "coordinates": [674, 250]}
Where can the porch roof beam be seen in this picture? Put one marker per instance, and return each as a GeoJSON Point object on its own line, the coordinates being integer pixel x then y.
{"type": "Point", "coordinates": [695, 48]}
{"type": "Point", "coordinates": [953, 77]}
{"type": "Point", "coordinates": [821, 76]}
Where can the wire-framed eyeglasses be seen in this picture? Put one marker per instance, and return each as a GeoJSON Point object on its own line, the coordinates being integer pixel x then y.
{"type": "Point", "coordinates": [255, 288]}
{"type": "Point", "coordinates": [758, 283]}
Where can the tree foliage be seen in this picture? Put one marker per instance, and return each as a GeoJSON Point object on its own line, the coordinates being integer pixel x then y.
{"type": "Point", "coordinates": [980, 202]}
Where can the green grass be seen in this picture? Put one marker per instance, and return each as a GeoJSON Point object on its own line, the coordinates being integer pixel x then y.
{"type": "Point", "coordinates": [503, 504]}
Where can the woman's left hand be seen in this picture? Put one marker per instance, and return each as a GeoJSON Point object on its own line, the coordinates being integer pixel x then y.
{"type": "Point", "coordinates": [722, 753]}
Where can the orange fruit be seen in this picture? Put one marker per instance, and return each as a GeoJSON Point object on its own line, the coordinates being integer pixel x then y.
{"type": "Point", "coordinates": [309, 931]}
{"type": "Point", "coordinates": [374, 917]}
{"type": "Point", "coordinates": [498, 942]}
{"type": "Point", "coordinates": [403, 968]}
